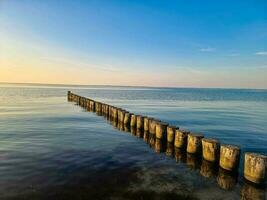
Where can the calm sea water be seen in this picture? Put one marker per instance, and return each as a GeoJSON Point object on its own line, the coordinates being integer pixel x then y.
{"type": "Point", "coordinates": [53, 149]}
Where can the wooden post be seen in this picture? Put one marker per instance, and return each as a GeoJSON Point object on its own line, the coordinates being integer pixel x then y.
{"type": "Point", "coordinates": [133, 120]}
{"type": "Point", "coordinates": [194, 143]}
{"type": "Point", "coordinates": [171, 133]}
{"type": "Point", "coordinates": [139, 122]}
{"type": "Point", "coordinates": [161, 130]}
{"type": "Point", "coordinates": [255, 166]}
{"type": "Point", "coordinates": [211, 149]}
{"type": "Point", "coordinates": [180, 140]}
{"type": "Point", "coordinates": [229, 157]}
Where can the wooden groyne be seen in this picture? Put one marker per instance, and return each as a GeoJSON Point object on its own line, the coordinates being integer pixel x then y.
{"type": "Point", "coordinates": [160, 135]}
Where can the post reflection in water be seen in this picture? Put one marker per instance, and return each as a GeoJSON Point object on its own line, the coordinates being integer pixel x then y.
{"type": "Point", "coordinates": [146, 137]}
{"type": "Point", "coordinates": [249, 191]}
{"type": "Point", "coordinates": [159, 146]}
{"type": "Point", "coordinates": [193, 161]}
{"type": "Point", "coordinates": [180, 155]}
{"type": "Point", "coordinates": [226, 180]}
{"type": "Point", "coordinates": [126, 128]}
{"type": "Point", "coordinates": [121, 126]}
{"type": "Point", "coordinates": [208, 169]}
{"type": "Point", "coordinates": [170, 149]}
{"type": "Point", "coordinates": [98, 113]}
{"type": "Point", "coordinates": [133, 130]}
{"type": "Point", "coordinates": [152, 140]}
{"type": "Point", "coordinates": [139, 133]}
{"type": "Point", "coordinates": [115, 123]}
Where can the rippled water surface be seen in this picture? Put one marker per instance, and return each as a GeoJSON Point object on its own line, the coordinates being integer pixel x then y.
{"type": "Point", "coordinates": [53, 149]}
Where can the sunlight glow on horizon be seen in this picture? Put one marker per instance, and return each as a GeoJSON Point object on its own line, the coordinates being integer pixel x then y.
{"type": "Point", "coordinates": [26, 56]}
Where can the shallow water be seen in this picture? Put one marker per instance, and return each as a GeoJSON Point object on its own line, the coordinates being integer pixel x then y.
{"type": "Point", "coordinates": [53, 149]}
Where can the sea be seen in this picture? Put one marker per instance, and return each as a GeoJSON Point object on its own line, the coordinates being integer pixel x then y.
{"type": "Point", "coordinates": [51, 148]}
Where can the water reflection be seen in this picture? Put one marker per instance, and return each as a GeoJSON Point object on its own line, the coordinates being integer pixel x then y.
{"type": "Point", "coordinates": [169, 149]}
{"type": "Point", "coordinates": [139, 133]}
{"type": "Point", "coordinates": [152, 140]}
{"type": "Point", "coordinates": [226, 180]}
{"type": "Point", "coordinates": [193, 161]}
{"type": "Point", "coordinates": [180, 155]}
{"type": "Point", "coordinates": [159, 146]}
{"type": "Point", "coordinates": [127, 128]}
{"type": "Point", "coordinates": [133, 131]}
{"type": "Point", "coordinates": [208, 169]}
{"type": "Point", "coordinates": [250, 191]}
{"type": "Point", "coordinates": [146, 137]}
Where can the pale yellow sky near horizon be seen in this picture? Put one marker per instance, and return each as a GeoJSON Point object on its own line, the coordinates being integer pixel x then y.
{"type": "Point", "coordinates": [38, 62]}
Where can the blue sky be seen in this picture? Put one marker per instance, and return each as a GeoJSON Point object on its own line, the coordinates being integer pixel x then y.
{"type": "Point", "coordinates": [154, 43]}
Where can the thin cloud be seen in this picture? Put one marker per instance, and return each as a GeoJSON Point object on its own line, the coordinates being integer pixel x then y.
{"type": "Point", "coordinates": [209, 49]}
{"type": "Point", "coordinates": [261, 53]}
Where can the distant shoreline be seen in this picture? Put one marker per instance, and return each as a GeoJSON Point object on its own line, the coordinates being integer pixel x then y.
{"type": "Point", "coordinates": [124, 86]}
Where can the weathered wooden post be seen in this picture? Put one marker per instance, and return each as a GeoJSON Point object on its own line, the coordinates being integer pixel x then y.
{"type": "Point", "coordinates": [127, 118]}
{"type": "Point", "coordinates": [92, 106]}
{"type": "Point", "coordinates": [171, 133]}
{"type": "Point", "coordinates": [194, 145]}
{"type": "Point", "coordinates": [69, 96]}
{"type": "Point", "coordinates": [146, 123]}
{"type": "Point", "coordinates": [180, 140]}
{"type": "Point", "coordinates": [110, 112]}
{"type": "Point", "coordinates": [139, 122]}
{"type": "Point", "coordinates": [152, 126]}
{"type": "Point", "coordinates": [211, 149]}
{"type": "Point", "coordinates": [133, 120]}
{"type": "Point", "coordinates": [255, 166]}
{"type": "Point", "coordinates": [229, 157]}
{"type": "Point", "coordinates": [115, 113]}
{"type": "Point", "coordinates": [119, 114]}
{"type": "Point", "coordinates": [107, 110]}
{"type": "Point", "coordinates": [123, 112]}
{"type": "Point", "coordinates": [161, 130]}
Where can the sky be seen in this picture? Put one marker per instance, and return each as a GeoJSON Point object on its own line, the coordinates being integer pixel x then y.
{"type": "Point", "coordinates": [186, 43]}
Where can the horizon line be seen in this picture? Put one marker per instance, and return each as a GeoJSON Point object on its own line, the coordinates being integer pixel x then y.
{"type": "Point", "coordinates": [143, 86]}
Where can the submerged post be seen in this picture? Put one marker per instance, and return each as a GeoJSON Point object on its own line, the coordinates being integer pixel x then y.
{"type": "Point", "coordinates": [229, 157]}
{"type": "Point", "coordinates": [194, 143]}
{"type": "Point", "coordinates": [255, 167]}
{"type": "Point", "coordinates": [211, 149]}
